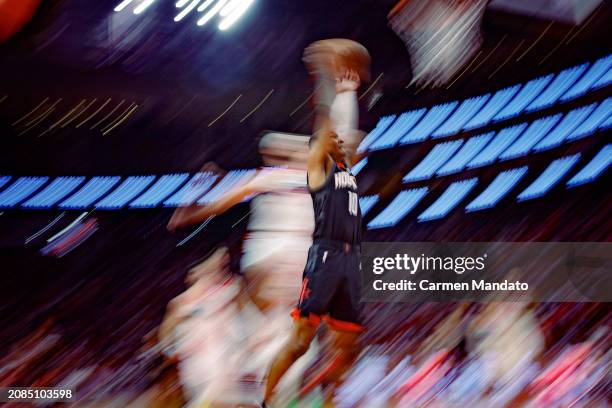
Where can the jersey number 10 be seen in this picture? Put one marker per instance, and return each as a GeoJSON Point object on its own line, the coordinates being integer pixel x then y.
{"type": "Point", "coordinates": [352, 203]}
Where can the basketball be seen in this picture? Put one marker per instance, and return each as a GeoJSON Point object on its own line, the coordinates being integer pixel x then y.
{"type": "Point", "coordinates": [334, 56]}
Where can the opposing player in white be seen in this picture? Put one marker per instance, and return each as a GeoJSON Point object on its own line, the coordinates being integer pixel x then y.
{"type": "Point", "coordinates": [201, 331]}
{"type": "Point", "coordinates": [275, 246]}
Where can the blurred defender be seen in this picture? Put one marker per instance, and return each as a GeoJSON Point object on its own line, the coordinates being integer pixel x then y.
{"type": "Point", "coordinates": [331, 283]}
{"type": "Point", "coordinates": [201, 330]}
{"type": "Point", "coordinates": [280, 225]}
{"type": "Point", "coordinates": [275, 246]}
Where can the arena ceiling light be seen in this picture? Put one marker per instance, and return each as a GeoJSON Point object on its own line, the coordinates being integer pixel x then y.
{"type": "Point", "coordinates": [186, 10]}
{"type": "Point", "coordinates": [212, 12]}
{"type": "Point", "coordinates": [123, 5]}
{"type": "Point", "coordinates": [229, 11]}
{"type": "Point", "coordinates": [235, 14]}
{"type": "Point", "coordinates": [142, 5]}
{"type": "Point", "coordinates": [229, 7]}
{"type": "Point", "coordinates": [205, 5]}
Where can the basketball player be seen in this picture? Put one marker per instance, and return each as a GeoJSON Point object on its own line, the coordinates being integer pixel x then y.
{"type": "Point", "coordinates": [331, 283]}
{"type": "Point", "coordinates": [280, 226]}
{"type": "Point", "coordinates": [275, 248]}
{"type": "Point", "coordinates": [201, 331]}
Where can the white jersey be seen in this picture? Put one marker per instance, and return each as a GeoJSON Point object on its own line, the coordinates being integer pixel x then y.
{"type": "Point", "coordinates": [207, 341]}
{"type": "Point", "coordinates": [284, 204]}
{"type": "Point", "coordinates": [281, 223]}
{"type": "Point", "coordinates": [279, 232]}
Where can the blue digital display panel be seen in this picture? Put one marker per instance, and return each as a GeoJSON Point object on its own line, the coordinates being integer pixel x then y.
{"type": "Point", "coordinates": [162, 188]}
{"type": "Point", "coordinates": [90, 192]}
{"type": "Point", "coordinates": [449, 199]}
{"type": "Point", "coordinates": [54, 192]}
{"type": "Point", "coordinates": [125, 192]}
{"type": "Point", "coordinates": [549, 178]}
{"type": "Point", "coordinates": [21, 189]}
{"type": "Point", "coordinates": [398, 208]}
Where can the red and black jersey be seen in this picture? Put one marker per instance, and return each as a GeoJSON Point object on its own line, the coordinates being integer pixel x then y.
{"type": "Point", "coordinates": [336, 208]}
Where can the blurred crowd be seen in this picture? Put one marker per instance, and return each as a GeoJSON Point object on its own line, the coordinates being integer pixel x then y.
{"type": "Point", "coordinates": [495, 354]}
{"type": "Point", "coordinates": [225, 321]}
{"type": "Point", "coordinates": [105, 336]}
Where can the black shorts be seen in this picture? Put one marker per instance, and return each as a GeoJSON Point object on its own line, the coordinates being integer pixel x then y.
{"type": "Point", "coordinates": [331, 286]}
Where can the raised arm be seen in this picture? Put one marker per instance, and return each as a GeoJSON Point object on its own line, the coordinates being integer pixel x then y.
{"type": "Point", "coordinates": [318, 157]}
{"type": "Point", "coordinates": [334, 124]}
{"type": "Point", "coordinates": [194, 214]}
{"type": "Point", "coordinates": [344, 113]}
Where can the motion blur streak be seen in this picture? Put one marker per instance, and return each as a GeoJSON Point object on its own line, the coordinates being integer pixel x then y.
{"type": "Point", "coordinates": [69, 227]}
{"type": "Point", "coordinates": [127, 115]}
{"type": "Point", "coordinates": [66, 116]}
{"type": "Point", "coordinates": [123, 5]}
{"type": "Point", "coordinates": [121, 115]}
{"type": "Point", "coordinates": [440, 35]}
{"type": "Point", "coordinates": [235, 15]}
{"type": "Point", "coordinates": [108, 114]}
{"type": "Point", "coordinates": [257, 106]}
{"type": "Point", "coordinates": [205, 5]}
{"type": "Point", "coordinates": [186, 10]}
{"type": "Point", "coordinates": [80, 112]}
{"type": "Point", "coordinates": [94, 113]}
{"type": "Point", "coordinates": [45, 229]}
{"type": "Point", "coordinates": [229, 7]}
{"type": "Point", "coordinates": [39, 118]}
{"type": "Point", "coordinates": [143, 6]}
{"type": "Point", "coordinates": [225, 111]}
{"type": "Point", "coordinates": [212, 12]}
{"type": "Point", "coordinates": [31, 112]}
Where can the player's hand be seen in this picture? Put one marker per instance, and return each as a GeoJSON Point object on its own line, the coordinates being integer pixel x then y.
{"type": "Point", "coordinates": [177, 220]}
{"type": "Point", "coordinates": [185, 216]}
{"type": "Point", "coordinates": [172, 226]}
{"type": "Point", "coordinates": [348, 82]}
{"type": "Point", "coordinates": [212, 167]}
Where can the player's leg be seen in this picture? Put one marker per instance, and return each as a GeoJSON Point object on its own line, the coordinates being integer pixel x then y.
{"type": "Point", "coordinates": [256, 279]}
{"type": "Point", "coordinates": [254, 264]}
{"type": "Point", "coordinates": [345, 352]}
{"type": "Point", "coordinates": [302, 335]}
{"type": "Point", "coordinates": [345, 322]}
{"type": "Point", "coordinates": [318, 286]}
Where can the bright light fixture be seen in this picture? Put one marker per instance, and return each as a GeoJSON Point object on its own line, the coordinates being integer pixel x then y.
{"type": "Point", "coordinates": [229, 10]}
{"type": "Point", "coordinates": [186, 10]}
{"type": "Point", "coordinates": [229, 7]}
{"type": "Point", "coordinates": [235, 15]}
{"type": "Point", "coordinates": [143, 6]}
{"type": "Point", "coordinates": [205, 5]}
{"type": "Point", "coordinates": [123, 5]}
{"type": "Point", "coordinates": [212, 12]}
